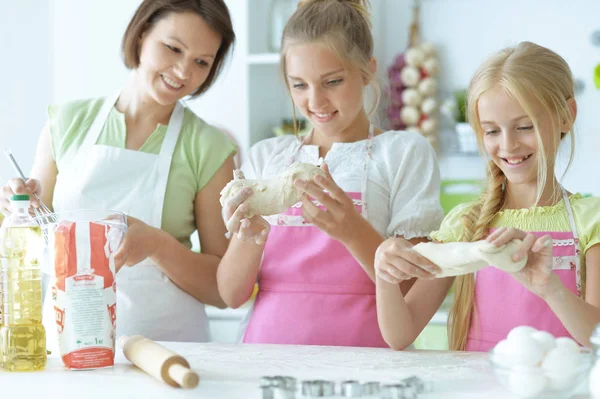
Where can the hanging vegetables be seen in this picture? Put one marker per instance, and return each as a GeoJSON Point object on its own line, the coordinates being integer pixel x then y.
{"type": "Point", "coordinates": [413, 103]}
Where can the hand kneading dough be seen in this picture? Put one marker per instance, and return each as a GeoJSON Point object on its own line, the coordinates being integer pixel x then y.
{"type": "Point", "coordinates": [458, 258]}
{"type": "Point", "coordinates": [273, 196]}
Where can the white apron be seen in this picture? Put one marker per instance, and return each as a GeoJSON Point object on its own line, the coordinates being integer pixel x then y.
{"type": "Point", "coordinates": [104, 177]}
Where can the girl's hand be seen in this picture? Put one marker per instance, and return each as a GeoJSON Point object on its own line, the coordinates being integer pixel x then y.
{"type": "Point", "coordinates": [537, 274]}
{"type": "Point", "coordinates": [254, 229]}
{"type": "Point", "coordinates": [339, 219]}
{"type": "Point", "coordinates": [395, 261]}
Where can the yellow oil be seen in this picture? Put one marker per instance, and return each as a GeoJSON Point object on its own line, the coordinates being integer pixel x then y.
{"type": "Point", "coordinates": [22, 335]}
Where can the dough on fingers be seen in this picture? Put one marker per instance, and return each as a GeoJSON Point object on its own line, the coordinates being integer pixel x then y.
{"type": "Point", "coordinates": [272, 196]}
{"type": "Point", "coordinates": [457, 258]}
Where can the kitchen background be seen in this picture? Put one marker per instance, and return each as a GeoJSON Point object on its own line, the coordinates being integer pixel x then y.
{"type": "Point", "coordinates": [60, 50]}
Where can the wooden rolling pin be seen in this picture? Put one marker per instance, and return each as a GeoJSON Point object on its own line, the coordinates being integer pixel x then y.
{"type": "Point", "coordinates": [158, 361]}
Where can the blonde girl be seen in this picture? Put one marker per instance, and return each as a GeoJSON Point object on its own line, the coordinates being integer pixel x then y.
{"type": "Point", "coordinates": [314, 262]}
{"type": "Point", "coordinates": [521, 104]}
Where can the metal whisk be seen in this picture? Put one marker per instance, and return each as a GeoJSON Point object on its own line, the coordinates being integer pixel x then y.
{"type": "Point", "coordinates": [43, 215]}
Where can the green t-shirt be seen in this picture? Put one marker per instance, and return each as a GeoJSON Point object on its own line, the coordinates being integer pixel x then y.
{"type": "Point", "coordinates": [200, 151]}
{"type": "Point", "coordinates": [586, 212]}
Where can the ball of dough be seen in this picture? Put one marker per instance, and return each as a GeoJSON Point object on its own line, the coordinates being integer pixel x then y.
{"type": "Point", "coordinates": [410, 115]}
{"type": "Point", "coordinates": [414, 57]}
{"type": "Point", "coordinates": [429, 105]}
{"type": "Point", "coordinates": [431, 66]}
{"type": "Point", "coordinates": [428, 87]}
{"type": "Point", "coordinates": [411, 97]}
{"type": "Point", "coordinates": [410, 76]}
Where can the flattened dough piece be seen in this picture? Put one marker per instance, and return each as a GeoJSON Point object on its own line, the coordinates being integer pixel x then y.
{"type": "Point", "coordinates": [272, 196]}
{"type": "Point", "coordinates": [456, 258]}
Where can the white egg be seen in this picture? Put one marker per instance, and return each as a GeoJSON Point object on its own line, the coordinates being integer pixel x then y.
{"type": "Point", "coordinates": [410, 76]}
{"type": "Point", "coordinates": [411, 97]}
{"type": "Point", "coordinates": [561, 358]}
{"type": "Point", "coordinates": [414, 57]}
{"type": "Point", "coordinates": [594, 381]}
{"type": "Point", "coordinates": [429, 126]}
{"type": "Point", "coordinates": [431, 66]}
{"type": "Point", "coordinates": [520, 330]}
{"type": "Point", "coordinates": [524, 350]}
{"type": "Point", "coordinates": [561, 380]}
{"type": "Point", "coordinates": [545, 339]}
{"type": "Point", "coordinates": [501, 353]}
{"type": "Point", "coordinates": [410, 115]}
{"type": "Point", "coordinates": [429, 105]}
{"type": "Point", "coordinates": [428, 87]}
{"type": "Point", "coordinates": [427, 48]}
{"type": "Point", "coordinates": [526, 382]}
{"type": "Point", "coordinates": [567, 343]}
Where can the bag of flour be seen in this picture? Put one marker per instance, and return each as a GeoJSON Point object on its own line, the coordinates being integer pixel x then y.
{"type": "Point", "coordinates": [84, 294]}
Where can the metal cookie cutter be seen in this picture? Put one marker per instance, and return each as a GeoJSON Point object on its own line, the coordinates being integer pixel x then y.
{"type": "Point", "coordinates": [371, 388]}
{"type": "Point", "coordinates": [351, 389]}
{"type": "Point", "coordinates": [278, 387]}
{"type": "Point", "coordinates": [318, 388]}
{"type": "Point", "coordinates": [393, 391]}
{"type": "Point", "coordinates": [417, 383]}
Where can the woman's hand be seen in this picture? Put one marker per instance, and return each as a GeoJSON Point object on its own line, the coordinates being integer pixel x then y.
{"type": "Point", "coordinates": [395, 261]}
{"type": "Point", "coordinates": [255, 229]}
{"type": "Point", "coordinates": [340, 219]}
{"type": "Point", "coordinates": [18, 186]}
{"type": "Point", "coordinates": [140, 242]}
{"type": "Point", "coordinates": [537, 274]}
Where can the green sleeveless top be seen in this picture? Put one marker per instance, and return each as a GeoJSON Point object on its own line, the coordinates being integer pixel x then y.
{"type": "Point", "coordinates": [200, 151]}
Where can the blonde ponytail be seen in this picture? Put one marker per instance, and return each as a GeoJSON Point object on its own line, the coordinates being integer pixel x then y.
{"type": "Point", "coordinates": [476, 225]}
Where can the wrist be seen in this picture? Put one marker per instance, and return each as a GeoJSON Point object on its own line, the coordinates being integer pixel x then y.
{"type": "Point", "coordinates": [356, 234]}
{"type": "Point", "coordinates": [554, 290]}
{"type": "Point", "coordinates": [157, 239]}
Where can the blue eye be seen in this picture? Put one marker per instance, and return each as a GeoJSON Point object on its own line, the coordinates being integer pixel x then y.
{"type": "Point", "coordinates": [335, 82]}
{"type": "Point", "coordinates": [490, 132]}
{"type": "Point", "coordinates": [299, 85]}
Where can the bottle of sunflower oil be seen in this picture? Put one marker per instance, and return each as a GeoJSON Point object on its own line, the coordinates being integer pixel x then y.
{"type": "Point", "coordinates": [22, 335]}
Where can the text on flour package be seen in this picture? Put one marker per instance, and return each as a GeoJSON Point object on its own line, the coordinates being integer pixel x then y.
{"type": "Point", "coordinates": [84, 295]}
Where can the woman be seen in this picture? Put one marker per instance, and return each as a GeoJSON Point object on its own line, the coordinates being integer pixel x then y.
{"type": "Point", "coordinates": [140, 152]}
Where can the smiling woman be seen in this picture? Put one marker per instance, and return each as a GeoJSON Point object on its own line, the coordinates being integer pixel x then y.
{"type": "Point", "coordinates": [141, 152]}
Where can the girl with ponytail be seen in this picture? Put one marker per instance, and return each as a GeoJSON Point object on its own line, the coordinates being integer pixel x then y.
{"type": "Point", "coordinates": [314, 262]}
{"type": "Point", "coordinates": [521, 104]}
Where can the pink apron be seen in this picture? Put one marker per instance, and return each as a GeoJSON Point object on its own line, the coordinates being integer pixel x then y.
{"type": "Point", "coordinates": [502, 303]}
{"type": "Point", "coordinates": [311, 289]}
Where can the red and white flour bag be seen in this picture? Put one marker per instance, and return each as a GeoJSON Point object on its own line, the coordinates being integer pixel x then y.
{"type": "Point", "coordinates": [84, 295]}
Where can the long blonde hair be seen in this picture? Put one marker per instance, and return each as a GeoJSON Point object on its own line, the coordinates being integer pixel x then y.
{"type": "Point", "coordinates": [343, 25]}
{"type": "Point", "coordinates": [534, 76]}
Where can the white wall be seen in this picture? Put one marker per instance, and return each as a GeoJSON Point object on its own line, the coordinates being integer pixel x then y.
{"type": "Point", "coordinates": [466, 31]}
{"type": "Point", "coordinates": [61, 50]}
{"type": "Point", "coordinates": [26, 68]}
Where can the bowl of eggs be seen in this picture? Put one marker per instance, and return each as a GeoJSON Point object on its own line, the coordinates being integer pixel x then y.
{"type": "Point", "coordinates": [535, 364]}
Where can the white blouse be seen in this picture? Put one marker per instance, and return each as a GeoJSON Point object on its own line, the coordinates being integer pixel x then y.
{"type": "Point", "coordinates": [403, 187]}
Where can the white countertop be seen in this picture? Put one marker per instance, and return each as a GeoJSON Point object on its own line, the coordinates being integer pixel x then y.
{"type": "Point", "coordinates": [233, 371]}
